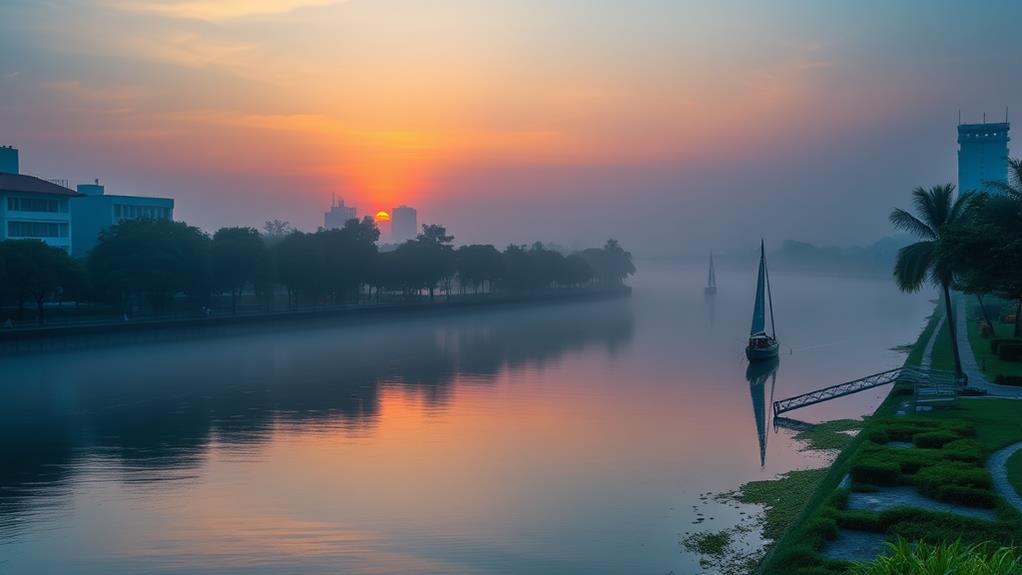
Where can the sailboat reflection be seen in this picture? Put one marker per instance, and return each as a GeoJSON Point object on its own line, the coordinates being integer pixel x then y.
{"type": "Point", "coordinates": [757, 374]}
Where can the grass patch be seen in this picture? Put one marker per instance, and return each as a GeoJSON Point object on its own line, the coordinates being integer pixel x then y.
{"type": "Point", "coordinates": [707, 543]}
{"type": "Point", "coordinates": [830, 434]}
{"type": "Point", "coordinates": [783, 498]}
{"type": "Point", "coordinates": [1014, 466]}
{"type": "Point", "coordinates": [992, 365]}
{"type": "Point", "coordinates": [904, 558]}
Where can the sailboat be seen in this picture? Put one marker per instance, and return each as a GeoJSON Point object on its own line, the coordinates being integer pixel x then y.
{"type": "Point", "coordinates": [757, 375]}
{"type": "Point", "coordinates": [711, 282]}
{"type": "Point", "coordinates": [762, 346]}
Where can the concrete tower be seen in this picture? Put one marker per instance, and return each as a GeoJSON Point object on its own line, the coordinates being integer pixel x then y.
{"type": "Point", "coordinates": [982, 155]}
{"type": "Point", "coordinates": [404, 224]}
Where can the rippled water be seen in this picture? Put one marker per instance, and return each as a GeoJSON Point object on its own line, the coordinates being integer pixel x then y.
{"type": "Point", "coordinates": [565, 439]}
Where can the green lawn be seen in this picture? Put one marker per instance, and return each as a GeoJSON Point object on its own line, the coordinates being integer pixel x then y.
{"type": "Point", "coordinates": [998, 421]}
{"type": "Point", "coordinates": [1015, 471]}
{"type": "Point", "coordinates": [916, 355]}
{"type": "Point", "coordinates": [991, 365]}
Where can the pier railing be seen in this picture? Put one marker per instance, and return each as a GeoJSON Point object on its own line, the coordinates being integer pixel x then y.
{"type": "Point", "coordinates": [927, 382]}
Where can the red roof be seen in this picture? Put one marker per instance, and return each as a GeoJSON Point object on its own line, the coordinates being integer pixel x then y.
{"type": "Point", "coordinates": [32, 185]}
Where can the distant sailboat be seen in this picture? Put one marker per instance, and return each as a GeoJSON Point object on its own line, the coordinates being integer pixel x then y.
{"type": "Point", "coordinates": [762, 346]}
{"type": "Point", "coordinates": [711, 282]}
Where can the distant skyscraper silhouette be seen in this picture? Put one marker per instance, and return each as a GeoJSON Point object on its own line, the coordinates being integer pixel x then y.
{"type": "Point", "coordinates": [338, 215]}
{"type": "Point", "coordinates": [982, 155]}
{"type": "Point", "coordinates": [404, 224]}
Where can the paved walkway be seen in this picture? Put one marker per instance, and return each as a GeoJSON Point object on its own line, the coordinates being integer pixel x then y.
{"type": "Point", "coordinates": [969, 364]}
{"type": "Point", "coordinates": [927, 359]}
{"type": "Point", "coordinates": [997, 469]}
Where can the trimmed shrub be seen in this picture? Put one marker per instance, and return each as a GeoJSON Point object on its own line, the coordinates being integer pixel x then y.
{"type": "Point", "coordinates": [1010, 352]}
{"type": "Point", "coordinates": [967, 450]}
{"type": "Point", "coordinates": [860, 520]}
{"type": "Point", "coordinates": [875, 471]}
{"type": "Point", "coordinates": [1008, 380]}
{"type": "Point", "coordinates": [934, 438]}
{"type": "Point", "coordinates": [822, 529]}
{"type": "Point", "coordinates": [876, 435]}
{"type": "Point", "coordinates": [800, 556]}
{"type": "Point", "coordinates": [995, 344]}
{"type": "Point", "coordinates": [970, 496]}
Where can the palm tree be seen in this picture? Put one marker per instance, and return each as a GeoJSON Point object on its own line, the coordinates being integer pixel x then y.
{"type": "Point", "coordinates": [922, 261]}
{"type": "Point", "coordinates": [1013, 186]}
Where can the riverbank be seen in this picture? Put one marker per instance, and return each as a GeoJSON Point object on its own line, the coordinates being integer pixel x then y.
{"type": "Point", "coordinates": [920, 475]}
{"type": "Point", "coordinates": [73, 334]}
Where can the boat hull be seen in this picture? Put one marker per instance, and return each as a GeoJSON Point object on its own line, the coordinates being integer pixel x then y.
{"type": "Point", "coordinates": [762, 353]}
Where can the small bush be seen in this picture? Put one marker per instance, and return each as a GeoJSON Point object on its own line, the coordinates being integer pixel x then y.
{"type": "Point", "coordinates": [869, 470]}
{"type": "Point", "coordinates": [933, 439]}
{"type": "Point", "coordinates": [952, 473]}
{"type": "Point", "coordinates": [967, 450]}
{"type": "Point", "coordinates": [859, 520]}
{"type": "Point", "coordinates": [970, 496]}
{"type": "Point", "coordinates": [822, 529]}
{"type": "Point", "coordinates": [995, 344]}
{"type": "Point", "coordinates": [877, 435]}
{"type": "Point", "coordinates": [1010, 352]}
{"type": "Point", "coordinates": [1015, 380]}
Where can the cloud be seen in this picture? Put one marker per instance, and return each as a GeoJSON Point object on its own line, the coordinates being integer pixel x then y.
{"type": "Point", "coordinates": [215, 10]}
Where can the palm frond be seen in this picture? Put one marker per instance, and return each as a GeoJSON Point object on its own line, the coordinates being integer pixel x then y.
{"type": "Point", "coordinates": [960, 207]}
{"type": "Point", "coordinates": [924, 206]}
{"type": "Point", "coordinates": [913, 265]}
{"type": "Point", "coordinates": [906, 222]}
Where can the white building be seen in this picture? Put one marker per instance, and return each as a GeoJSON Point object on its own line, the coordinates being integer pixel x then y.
{"type": "Point", "coordinates": [404, 224]}
{"type": "Point", "coordinates": [338, 215]}
{"type": "Point", "coordinates": [982, 155]}
{"type": "Point", "coordinates": [32, 208]}
{"type": "Point", "coordinates": [92, 211]}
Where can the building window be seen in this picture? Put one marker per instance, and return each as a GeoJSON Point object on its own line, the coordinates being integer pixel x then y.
{"type": "Point", "coordinates": [16, 204]}
{"type": "Point", "coordinates": [36, 230]}
{"type": "Point", "coordinates": [128, 212]}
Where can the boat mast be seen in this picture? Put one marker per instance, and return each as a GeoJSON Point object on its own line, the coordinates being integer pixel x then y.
{"type": "Point", "coordinates": [770, 296]}
{"type": "Point", "coordinates": [712, 280]}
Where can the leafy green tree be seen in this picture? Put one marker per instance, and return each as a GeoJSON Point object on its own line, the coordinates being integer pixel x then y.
{"type": "Point", "coordinates": [429, 259]}
{"type": "Point", "coordinates": [986, 250]}
{"type": "Point", "coordinates": [1013, 186]}
{"type": "Point", "coordinates": [519, 268]}
{"type": "Point", "coordinates": [576, 271]}
{"type": "Point", "coordinates": [36, 271]}
{"type": "Point", "coordinates": [151, 259]}
{"type": "Point", "coordinates": [349, 257]}
{"type": "Point", "coordinates": [937, 210]}
{"type": "Point", "coordinates": [239, 258]}
{"type": "Point", "coordinates": [299, 262]}
{"type": "Point", "coordinates": [276, 230]}
{"type": "Point", "coordinates": [612, 264]}
{"type": "Point", "coordinates": [479, 265]}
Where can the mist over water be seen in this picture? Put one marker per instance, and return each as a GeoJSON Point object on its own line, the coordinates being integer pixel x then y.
{"type": "Point", "coordinates": [569, 438]}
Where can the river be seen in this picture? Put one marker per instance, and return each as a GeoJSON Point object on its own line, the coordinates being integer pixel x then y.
{"type": "Point", "coordinates": [561, 438]}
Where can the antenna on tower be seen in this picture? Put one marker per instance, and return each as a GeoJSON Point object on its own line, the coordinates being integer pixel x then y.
{"type": "Point", "coordinates": [1005, 114]}
{"type": "Point", "coordinates": [984, 117]}
{"type": "Point", "coordinates": [959, 116]}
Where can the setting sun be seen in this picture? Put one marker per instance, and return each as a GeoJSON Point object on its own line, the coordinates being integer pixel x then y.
{"type": "Point", "coordinates": [382, 216]}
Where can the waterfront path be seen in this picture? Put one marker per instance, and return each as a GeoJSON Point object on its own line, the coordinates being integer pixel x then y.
{"type": "Point", "coordinates": [997, 466]}
{"type": "Point", "coordinates": [927, 359]}
{"type": "Point", "coordinates": [969, 364]}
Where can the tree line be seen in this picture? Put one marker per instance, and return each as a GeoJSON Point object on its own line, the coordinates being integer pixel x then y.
{"type": "Point", "coordinates": [971, 242]}
{"type": "Point", "coordinates": [157, 263]}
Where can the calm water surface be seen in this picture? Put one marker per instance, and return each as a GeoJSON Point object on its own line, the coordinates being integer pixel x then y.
{"type": "Point", "coordinates": [551, 439]}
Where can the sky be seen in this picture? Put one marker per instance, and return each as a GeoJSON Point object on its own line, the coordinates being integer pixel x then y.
{"type": "Point", "coordinates": [674, 126]}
